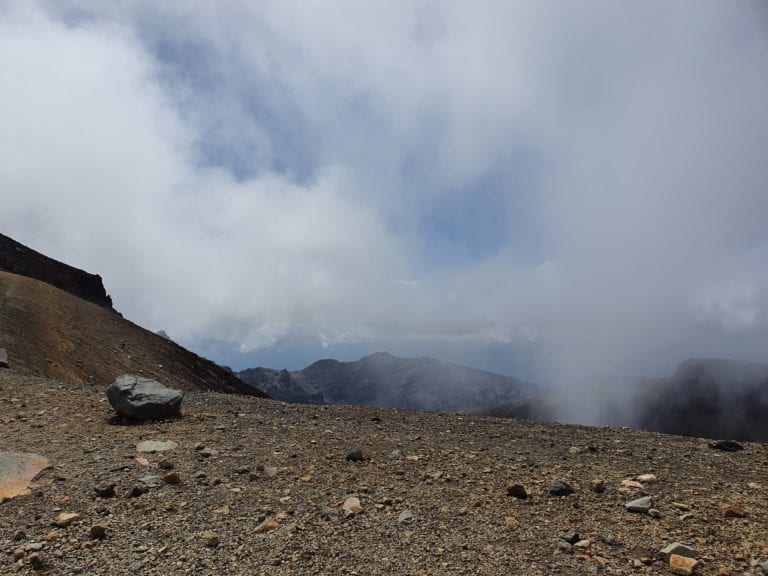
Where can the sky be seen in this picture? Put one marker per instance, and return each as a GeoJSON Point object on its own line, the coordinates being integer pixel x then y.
{"type": "Point", "coordinates": [560, 191]}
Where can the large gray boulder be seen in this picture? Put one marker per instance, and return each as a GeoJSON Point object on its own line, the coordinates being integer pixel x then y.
{"type": "Point", "coordinates": [143, 398]}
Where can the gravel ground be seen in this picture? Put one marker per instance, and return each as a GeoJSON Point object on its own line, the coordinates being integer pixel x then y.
{"type": "Point", "coordinates": [260, 487]}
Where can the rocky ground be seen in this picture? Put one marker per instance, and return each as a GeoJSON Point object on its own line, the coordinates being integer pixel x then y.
{"type": "Point", "coordinates": [254, 486]}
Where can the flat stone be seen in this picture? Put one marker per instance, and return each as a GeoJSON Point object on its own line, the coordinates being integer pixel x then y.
{"type": "Point", "coordinates": [682, 565]}
{"type": "Point", "coordinates": [142, 398]}
{"type": "Point", "coordinates": [641, 505]}
{"type": "Point", "coordinates": [730, 511]}
{"type": "Point", "coordinates": [647, 478]}
{"type": "Point", "coordinates": [66, 518]}
{"type": "Point", "coordinates": [20, 473]}
{"type": "Point", "coordinates": [151, 446]}
{"type": "Point", "coordinates": [679, 549]}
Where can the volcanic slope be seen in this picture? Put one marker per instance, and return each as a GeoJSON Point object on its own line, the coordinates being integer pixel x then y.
{"type": "Point", "coordinates": [49, 332]}
{"type": "Point", "coordinates": [256, 486]}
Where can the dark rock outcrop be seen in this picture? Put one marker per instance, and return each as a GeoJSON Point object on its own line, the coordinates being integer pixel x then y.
{"type": "Point", "coordinates": [143, 399]}
{"type": "Point", "coordinates": [385, 380]}
{"type": "Point", "coordinates": [710, 398]}
{"type": "Point", "coordinates": [18, 259]}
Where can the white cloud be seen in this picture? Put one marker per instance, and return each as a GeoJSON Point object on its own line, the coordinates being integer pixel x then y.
{"type": "Point", "coordinates": [260, 176]}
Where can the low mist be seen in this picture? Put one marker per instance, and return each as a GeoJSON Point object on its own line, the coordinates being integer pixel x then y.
{"type": "Point", "coordinates": [573, 195]}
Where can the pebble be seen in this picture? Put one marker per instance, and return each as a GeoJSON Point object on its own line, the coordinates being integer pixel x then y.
{"type": "Point", "coordinates": [172, 478]}
{"type": "Point", "coordinates": [641, 505]}
{"type": "Point", "coordinates": [211, 539]}
{"type": "Point", "coordinates": [355, 456]}
{"type": "Point", "coordinates": [19, 535]}
{"type": "Point", "coordinates": [52, 536]}
{"type": "Point", "coordinates": [560, 488]}
{"type": "Point", "coordinates": [628, 485]}
{"type": "Point", "coordinates": [571, 537]}
{"type": "Point", "coordinates": [36, 560]}
{"type": "Point", "coordinates": [730, 511]}
{"type": "Point", "coordinates": [682, 565]}
{"type": "Point", "coordinates": [265, 526]}
{"type": "Point", "coordinates": [98, 531]}
{"type": "Point", "coordinates": [564, 547]}
{"type": "Point", "coordinates": [679, 549]}
{"type": "Point", "coordinates": [136, 491]}
{"type": "Point", "coordinates": [647, 478]}
{"type": "Point", "coordinates": [654, 513]}
{"type": "Point", "coordinates": [597, 486]}
{"type": "Point", "coordinates": [105, 491]}
{"type": "Point", "coordinates": [352, 506]}
{"type": "Point", "coordinates": [518, 491]}
{"type": "Point", "coordinates": [66, 518]}
{"type": "Point", "coordinates": [405, 516]}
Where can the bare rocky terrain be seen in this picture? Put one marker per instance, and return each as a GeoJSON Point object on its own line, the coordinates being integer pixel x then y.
{"type": "Point", "coordinates": [255, 486]}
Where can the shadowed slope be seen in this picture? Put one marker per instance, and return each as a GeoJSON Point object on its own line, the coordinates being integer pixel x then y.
{"type": "Point", "coordinates": [51, 333]}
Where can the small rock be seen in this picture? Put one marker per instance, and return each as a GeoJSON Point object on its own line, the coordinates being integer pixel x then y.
{"type": "Point", "coordinates": [405, 516]}
{"type": "Point", "coordinates": [19, 535]}
{"type": "Point", "coordinates": [208, 452]}
{"type": "Point", "coordinates": [654, 513]}
{"type": "Point", "coordinates": [563, 547]}
{"type": "Point", "coordinates": [211, 539]}
{"type": "Point", "coordinates": [628, 485]}
{"type": "Point", "coordinates": [52, 536]}
{"type": "Point", "coordinates": [165, 464]}
{"type": "Point", "coordinates": [571, 537]}
{"type": "Point", "coordinates": [518, 491]}
{"type": "Point", "coordinates": [98, 531]}
{"type": "Point", "coordinates": [35, 560]}
{"type": "Point", "coordinates": [66, 518]}
{"type": "Point", "coordinates": [270, 471]}
{"type": "Point", "coordinates": [267, 525]}
{"type": "Point", "coordinates": [152, 446]}
{"type": "Point", "coordinates": [682, 565]}
{"type": "Point", "coordinates": [328, 513]}
{"type": "Point", "coordinates": [729, 511]}
{"type": "Point", "coordinates": [583, 544]}
{"type": "Point", "coordinates": [597, 486]}
{"type": "Point", "coordinates": [726, 445]}
{"type": "Point", "coordinates": [172, 478]}
{"type": "Point", "coordinates": [105, 491]}
{"type": "Point", "coordinates": [647, 478]}
{"type": "Point", "coordinates": [641, 505]}
{"type": "Point", "coordinates": [560, 488]}
{"type": "Point", "coordinates": [679, 549]}
{"type": "Point", "coordinates": [352, 506]}
{"type": "Point", "coordinates": [355, 456]}
{"type": "Point", "coordinates": [764, 568]}
{"type": "Point", "coordinates": [3, 358]}
{"type": "Point", "coordinates": [136, 490]}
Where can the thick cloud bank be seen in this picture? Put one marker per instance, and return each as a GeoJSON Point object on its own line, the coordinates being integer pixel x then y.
{"type": "Point", "coordinates": [590, 178]}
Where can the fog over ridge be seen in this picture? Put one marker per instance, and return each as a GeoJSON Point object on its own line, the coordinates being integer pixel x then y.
{"type": "Point", "coordinates": [585, 185]}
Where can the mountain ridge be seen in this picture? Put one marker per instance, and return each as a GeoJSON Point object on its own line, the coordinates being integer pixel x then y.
{"type": "Point", "coordinates": [384, 380]}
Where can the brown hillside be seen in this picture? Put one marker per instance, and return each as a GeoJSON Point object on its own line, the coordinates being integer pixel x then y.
{"type": "Point", "coordinates": [49, 332]}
